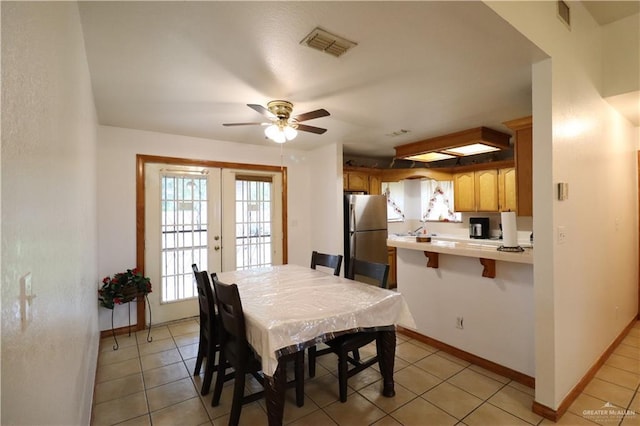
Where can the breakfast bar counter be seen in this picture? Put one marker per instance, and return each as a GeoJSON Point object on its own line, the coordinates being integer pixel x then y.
{"type": "Point", "coordinates": [459, 248]}
{"type": "Point", "coordinates": [486, 253]}
{"type": "Point", "coordinates": [470, 296]}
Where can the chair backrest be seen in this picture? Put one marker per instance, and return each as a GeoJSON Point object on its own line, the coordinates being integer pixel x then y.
{"type": "Point", "coordinates": [378, 272]}
{"type": "Point", "coordinates": [234, 334]}
{"type": "Point", "coordinates": [206, 301]}
{"type": "Point", "coordinates": [195, 268]}
{"type": "Point", "coordinates": [333, 261]}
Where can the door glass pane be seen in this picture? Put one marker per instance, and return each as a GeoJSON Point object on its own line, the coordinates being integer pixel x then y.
{"type": "Point", "coordinates": [253, 222]}
{"type": "Point", "coordinates": [184, 234]}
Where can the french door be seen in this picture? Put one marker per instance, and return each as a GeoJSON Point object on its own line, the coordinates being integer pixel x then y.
{"type": "Point", "coordinates": [219, 219]}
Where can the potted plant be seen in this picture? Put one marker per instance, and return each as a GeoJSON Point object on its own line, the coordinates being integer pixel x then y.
{"type": "Point", "coordinates": [123, 287]}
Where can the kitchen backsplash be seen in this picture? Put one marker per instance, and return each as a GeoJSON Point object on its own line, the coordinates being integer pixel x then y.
{"type": "Point", "coordinates": [524, 225]}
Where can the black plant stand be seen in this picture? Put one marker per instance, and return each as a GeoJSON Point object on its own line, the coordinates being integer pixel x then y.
{"type": "Point", "coordinates": [113, 331]}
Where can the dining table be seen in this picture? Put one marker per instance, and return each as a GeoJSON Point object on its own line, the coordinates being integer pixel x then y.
{"type": "Point", "coordinates": [289, 308]}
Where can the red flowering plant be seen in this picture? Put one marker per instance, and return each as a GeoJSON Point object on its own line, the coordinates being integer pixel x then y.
{"type": "Point", "coordinates": [123, 287]}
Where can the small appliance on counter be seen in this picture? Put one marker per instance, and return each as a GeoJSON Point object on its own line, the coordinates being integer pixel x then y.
{"type": "Point", "coordinates": [479, 227]}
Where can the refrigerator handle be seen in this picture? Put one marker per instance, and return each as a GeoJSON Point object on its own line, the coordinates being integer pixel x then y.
{"type": "Point", "coordinates": [352, 233]}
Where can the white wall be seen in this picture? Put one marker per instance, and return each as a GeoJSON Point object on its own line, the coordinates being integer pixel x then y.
{"type": "Point", "coordinates": [48, 216]}
{"type": "Point", "coordinates": [497, 312]}
{"type": "Point", "coordinates": [622, 56]}
{"type": "Point", "coordinates": [117, 149]}
{"type": "Point", "coordinates": [586, 289]}
{"type": "Point", "coordinates": [326, 200]}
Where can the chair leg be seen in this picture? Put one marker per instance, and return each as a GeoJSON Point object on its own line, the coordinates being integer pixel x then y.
{"type": "Point", "coordinates": [201, 352]}
{"type": "Point", "coordinates": [238, 395]}
{"type": "Point", "coordinates": [342, 375]}
{"type": "Point", "coordinates": [312, 361]}
{"type": "Point", "coordinates": [356, 354]}
{"type": "Point", "coordinates": [217, 389]}
{"type": "Point", "coordinates": [208, 373]}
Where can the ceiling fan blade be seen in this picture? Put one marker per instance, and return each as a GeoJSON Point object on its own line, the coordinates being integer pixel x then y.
{"type": "Point", "coordinates": [312, 129]}
{"type": "Point", "coordinates": [311, 115]}
{"type": "Point", "coordinates": [245, 124]}
{"type": "Point", "coordinates": [262, 110]}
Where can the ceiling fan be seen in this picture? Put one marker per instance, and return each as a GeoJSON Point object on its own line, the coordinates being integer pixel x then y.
{"type": "Point", "coordinates": [282, 127]}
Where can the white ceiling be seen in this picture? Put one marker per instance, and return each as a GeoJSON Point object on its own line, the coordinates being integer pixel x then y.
{"type": "Point", "coordinates": [187, 67]}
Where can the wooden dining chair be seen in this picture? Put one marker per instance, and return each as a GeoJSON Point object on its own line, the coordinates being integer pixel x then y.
{"type": "Point", "coordinates": [239, 354]}
{"type": "Point", "coordinates": [209, 343]}
{"type": "Point", "coordinates": [352, 342]}
{"type": "Point", "coordinates": [333, 261]}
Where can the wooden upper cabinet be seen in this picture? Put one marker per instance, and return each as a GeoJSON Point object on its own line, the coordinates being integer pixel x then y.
{"type": "Point", "coordinates": [486, 183]}
{"type": "Point", "coordinates": [507, 190]}
{"type": "Point", "coordinates": [491, 190]}
{"type": "Point", "coordinates": [375, 184]}
{"type": "Point", "coordinates": [362, 179]}
{"type": "Point", "coordinates": [464, 198]}
{"type": "Point", "coordinates": [523, 153]}
{"type": "Point", "coordinates": [357, 181]}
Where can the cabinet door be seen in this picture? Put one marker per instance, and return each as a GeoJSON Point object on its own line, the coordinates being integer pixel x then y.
{"type": "Point", "coordinates": [392, 280]}
{"type": "Point", "coordinates": [486, 182]}
{"type": "Point", "coordinates": [524, 170]}
{"type": "Point", "coordinates": [523, 150]}
{"type": "Point", "coordinates": [375, 185]}
{"type": "Point", "coordinates": [464, 192]}
{"type": "Point", "coordinates": [358, 181]}
{"type": "Point", "coordinates": [507, 189]}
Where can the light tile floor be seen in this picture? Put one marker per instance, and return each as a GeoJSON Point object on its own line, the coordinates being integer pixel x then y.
{"type": "Point", "coordinates": [152, 383]}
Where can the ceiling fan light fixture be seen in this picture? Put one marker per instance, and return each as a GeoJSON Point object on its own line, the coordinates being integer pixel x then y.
{"type": "Point", "coordinates": [475, 141]}
{"type": "Point", "coordinates": [279, 133]}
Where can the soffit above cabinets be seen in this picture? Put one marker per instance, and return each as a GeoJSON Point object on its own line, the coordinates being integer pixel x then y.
{"type": "Point", "coordinates": [479, 140]}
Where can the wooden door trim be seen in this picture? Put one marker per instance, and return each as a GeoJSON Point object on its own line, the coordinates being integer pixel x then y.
{"type": "Point", "coordinates": [141, 162]}
{"type": "Point", "coordinates": [638, 194]}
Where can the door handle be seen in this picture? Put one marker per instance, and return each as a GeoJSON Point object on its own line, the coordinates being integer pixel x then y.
{"type": "Point", "coordinates": [216, 248]}
{"type": "Point", "coordinates": [217, 237]}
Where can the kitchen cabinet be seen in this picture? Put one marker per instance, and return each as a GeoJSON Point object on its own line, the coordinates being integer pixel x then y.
{"type": "Point", "coordinates": [362, 179]}
{"type": "Point", "coordinates": [523, 156]}
{"type": "Point", "coordinates": [486, 182]}
{"type": "Point", "coordinates": [356, 181]}
{"type": "Point", "coordinates": [375, 184]}
{"type": "Point", "coordinates": [490, 190]}
{"type": "Point", "coordinates": [464, 192]}
{"type": "Point", "coordinates": [392, 280]}
{"type": "Point", "coordinates": [507, 192]}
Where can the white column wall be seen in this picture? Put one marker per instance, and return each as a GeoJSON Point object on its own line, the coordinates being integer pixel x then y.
{"type": "Point", "coordinates": [587, 291]}
{"type": "Point", "coordinates": [326, 200]}
{"type": "Point", "coordinates": [49, 227]}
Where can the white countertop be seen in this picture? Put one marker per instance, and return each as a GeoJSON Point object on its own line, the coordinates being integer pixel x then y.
{"type": "Point", "coordinates": [471, 248]}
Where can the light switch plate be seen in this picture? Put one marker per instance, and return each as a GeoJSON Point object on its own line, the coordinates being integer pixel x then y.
{"type": "Point", "coordinates": [563, 191]}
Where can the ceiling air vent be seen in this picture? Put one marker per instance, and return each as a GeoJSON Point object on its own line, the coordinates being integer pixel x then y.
{"type": "Point", "coordinates": [564, 13]}
{"type": "Point", "coordinates": [329, 43]}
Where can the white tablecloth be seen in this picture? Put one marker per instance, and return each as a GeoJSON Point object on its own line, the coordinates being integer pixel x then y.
{"type": "Point", "coordinates": [289, 306]}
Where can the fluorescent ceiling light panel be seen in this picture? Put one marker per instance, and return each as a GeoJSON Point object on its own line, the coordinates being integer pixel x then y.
{"type": "Point", "coordinates": [473, 149]}
{"type": "Point", "coordinates": [430, 156]}
{"type": "Point", "coordinates": [467, 142]}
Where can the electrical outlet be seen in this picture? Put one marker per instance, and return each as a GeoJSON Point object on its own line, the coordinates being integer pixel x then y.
{"type": "Point", "coordinates": [562, 234]}
{"type": "Point", "coordinates": [460, 323]}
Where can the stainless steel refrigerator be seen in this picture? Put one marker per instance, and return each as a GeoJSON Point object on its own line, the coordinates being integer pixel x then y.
{"type": "Point", "coordinates": [365, 228]}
